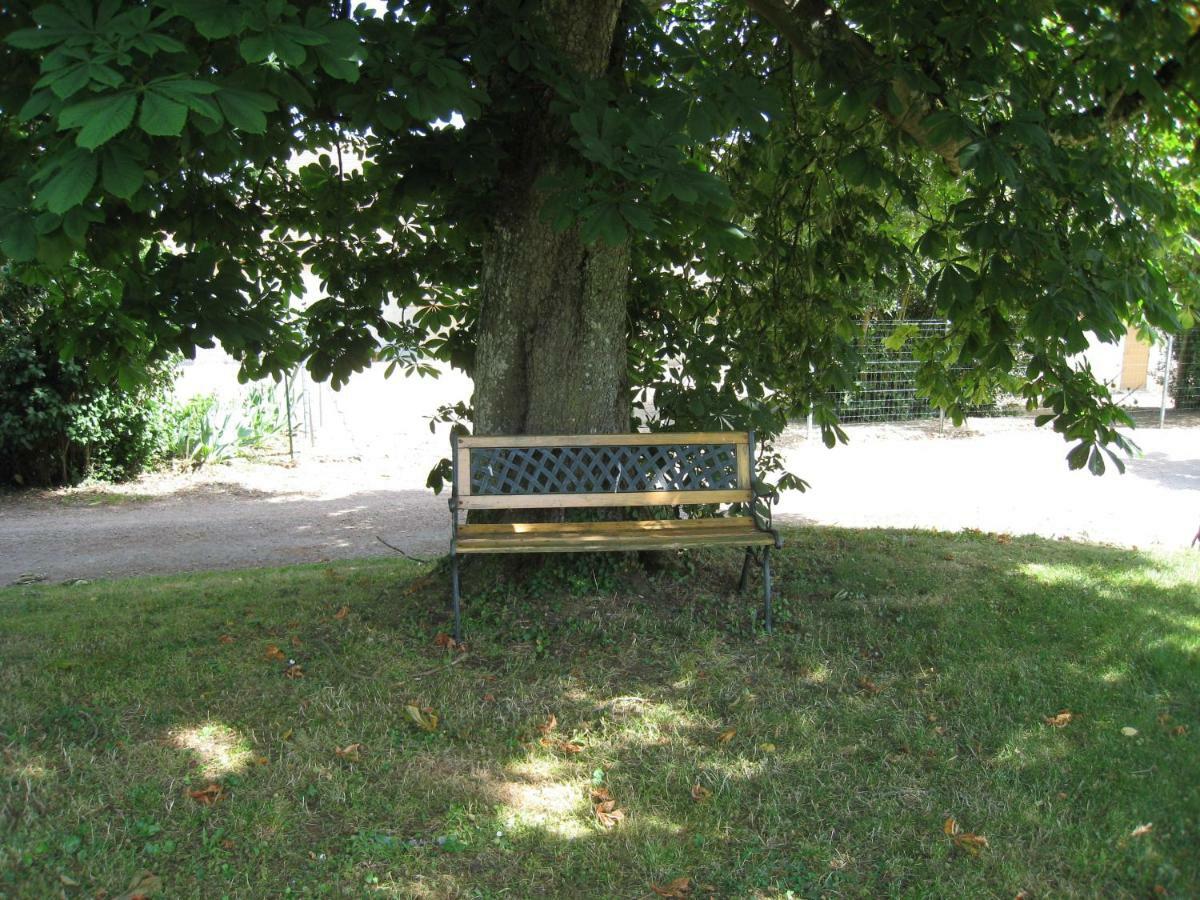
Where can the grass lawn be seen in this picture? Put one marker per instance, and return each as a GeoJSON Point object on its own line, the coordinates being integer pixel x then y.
{"type": "Point", "coordinates": [151, 735]}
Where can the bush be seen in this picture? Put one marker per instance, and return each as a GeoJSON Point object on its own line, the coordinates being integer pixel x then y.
{"type": "Point", "coordinates": [204, 431]}
{"type": "Point", "coordinates": [59, 420]}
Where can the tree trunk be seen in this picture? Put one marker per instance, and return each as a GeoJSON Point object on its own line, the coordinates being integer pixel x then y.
{"type": "Point", "coordinates": [550, 355]}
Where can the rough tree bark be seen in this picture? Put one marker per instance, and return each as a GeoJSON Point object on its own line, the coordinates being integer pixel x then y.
{"type": "Point", "coordinates": [550, 356]}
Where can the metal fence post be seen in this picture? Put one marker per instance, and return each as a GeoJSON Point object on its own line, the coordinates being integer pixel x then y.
{"type": "Point", "coordinates": [1162, 406]}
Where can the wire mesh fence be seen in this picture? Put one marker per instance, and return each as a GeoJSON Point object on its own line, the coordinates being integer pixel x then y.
{"type": "Point", "coordinates": [1180, 373]}
{"type": "Point", "coordinates": [885, 385]}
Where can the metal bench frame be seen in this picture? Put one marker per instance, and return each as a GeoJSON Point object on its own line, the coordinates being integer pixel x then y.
{"type": "Point", "coordinates": [663, 469]}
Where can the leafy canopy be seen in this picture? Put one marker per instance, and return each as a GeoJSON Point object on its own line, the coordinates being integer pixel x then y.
{"type": "Point", "coordinates": [785, 172]}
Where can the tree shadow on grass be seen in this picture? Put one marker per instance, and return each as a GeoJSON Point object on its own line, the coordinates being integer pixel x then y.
{"type": "Point", "coordinates": [908, 683]}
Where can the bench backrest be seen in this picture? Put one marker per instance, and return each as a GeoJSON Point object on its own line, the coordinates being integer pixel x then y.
{"type": "Point", "coordinates": [664, 468]}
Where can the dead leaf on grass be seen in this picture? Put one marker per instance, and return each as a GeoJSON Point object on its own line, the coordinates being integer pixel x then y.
{"type": "Point", "coordinates": [1060, 719]}
{"type": "Point", "coordinates": [446, 642]}
{"type": "Point", "coordinates": [564, 746]}
{"type": "Point", "coordinates": [964, 840]}
{"type": "Point", "coordinates": [226, 639]}
{"type": "Point", "coordinates": [296, 642]}
{"type": "Point", "coordinates": [350, 752]}
{"type": "Point", "coordinates": [1142, 830]}
{"type": "Point", "coordinates": [607, 813]}
{"type": "Point", "coordinates": [274, 654]}
{"type": "Point", "coordinates": [678, 888]}
{"type": "Point", "coordinates": [726, 736]}
{"type": "Point", "coordinates": [549, 725]}
{"type": "Point", "coordinates": [342, 613]}
{"type": "Point", "coordinates": [600, 795]}
{"type": "Point", "coordinates": [970, 842]}
{"type": "Point", "coordinates": [424, 717]}
{"type": "Point", "coordinates": [294, 671]}
{"type": "Point", "coordinates": [1129, 731]}
{"type": "Point", "coordinates": [144, 884]}
{"type": "Point", "coordinates": [867, 686]}
{"type": "Point", "coordinates": [700, 793]}
{"type": "Point", "coordinates": [208, 795]}
{"type": "Point", "coordinates": [1179, 730]}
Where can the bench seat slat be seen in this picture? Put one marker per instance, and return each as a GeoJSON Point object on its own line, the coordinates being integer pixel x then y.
{"type": "Point", "coordinates": [581, 537]}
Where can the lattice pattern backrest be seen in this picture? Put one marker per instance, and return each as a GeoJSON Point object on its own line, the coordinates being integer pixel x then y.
{"type": "Point", "coordinates": [603, 469]}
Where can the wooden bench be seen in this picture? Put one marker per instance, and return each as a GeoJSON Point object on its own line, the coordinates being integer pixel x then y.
{"type": "Point", "coordinates": [609, 470]}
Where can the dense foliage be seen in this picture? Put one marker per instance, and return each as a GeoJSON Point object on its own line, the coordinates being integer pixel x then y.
{"type": "Point", "coordinates": [776, 168]}
{"type": "Point", "coordinates": [61, 420]}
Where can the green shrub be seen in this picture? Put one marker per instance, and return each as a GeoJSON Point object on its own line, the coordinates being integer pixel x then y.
{"type": "Point", "coordinates": [59, 420]}
{"type": "Point", "coordinates": [203, 430]}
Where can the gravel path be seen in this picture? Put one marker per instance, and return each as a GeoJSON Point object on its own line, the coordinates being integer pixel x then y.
{"type": "Point", "coordinates": [995, 475]}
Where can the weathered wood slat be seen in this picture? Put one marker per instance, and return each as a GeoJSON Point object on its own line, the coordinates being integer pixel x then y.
{"type": "Point", "coordinates": [728, 523]}
{"type": "Point", "coordinates": [603, 440]}
{"type": "Point", "coordinates": [576, 542]}
{"type": "Point", "coordinates": [638, 498]}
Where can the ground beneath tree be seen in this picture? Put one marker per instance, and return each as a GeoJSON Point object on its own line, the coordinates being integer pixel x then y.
{"type": "Point", "coordinates": [999, 475]}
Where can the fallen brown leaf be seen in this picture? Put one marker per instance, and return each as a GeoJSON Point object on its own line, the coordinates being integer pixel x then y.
{"type": "Point", "coordinates": [350, 752]}
{"type": "Point", "coordinates": [342, 613]}
{"type": "Point", "coordinates": [549, 725]}
{"type": "Point", "coordinates": [1142, 830]}
{"type": "Point", "coordinates": [607, 813]}
{"type": "Point", "coordinates": [489, 698]}
{"type": "Point", "coordinates": [601, 795]}
{"type": "Point", "coordinates": [228, 844]}
{"type": "Point", "coordinates": [226, 639]}
{"type": "Point", "coordinates": [208, 795]}
{"type": "Point", "coordinates": [274, 654]}
{"type": "Point", "coordinates": [296, 642]}
{"type": "Point", "coordinates": [144, 885]}
{"type": "Point", "coordinates": [726, 736]}
{"type": "Point", "coordinates": [262, 760]}
{"type": "Point", "coordinates": [294, 671]}
{"type": "Point", "coordinates": [700, 793]}
{"type": "Point", "coordinates": [950, 827]}
{"type": "Point", "coordinates": [678, 888]}
{"type": "Point", "coordinates": [1179, 730]}
{"type": "Point", "coordinates": [867, 686]}
{"type": "Point", "coordinates": [1060, 719]}
{"type": "Point", "coordinates": [424, 717]}
{"type": "Point", "coordinates": [564, 746]}
{"type": "Point", "coordinates": [970, 842]}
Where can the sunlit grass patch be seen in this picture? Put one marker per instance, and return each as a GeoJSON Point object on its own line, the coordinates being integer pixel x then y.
{"type": "Point", "coordinates": [1043, 695]}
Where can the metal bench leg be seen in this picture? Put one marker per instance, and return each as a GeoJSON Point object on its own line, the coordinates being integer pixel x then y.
{"type": "Point", "coordinates": [745, 579]}
{"type": "Point", "coordinates": [766, 564]}
{"type": "Point", "coordinates": [454, 593]}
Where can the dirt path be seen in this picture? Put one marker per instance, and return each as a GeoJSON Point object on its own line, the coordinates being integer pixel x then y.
{"type": "Point", "coordinates": [996, 475]}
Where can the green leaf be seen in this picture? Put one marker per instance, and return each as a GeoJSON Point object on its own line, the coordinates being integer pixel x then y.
{"type": "Point", "coordinates": [18, 241]}
{"type": "Point", "coordinates": [245, 110]}
{"type": "Point", "coordinates": [38, 103]}
{"type": "Point", "coordinates": [69, 187]}
{"type": "Point", "coordinates": [120, 173]}
{"type": "Point", "coordinates": [34, 38]}
{"type": "Point", "coordinates": [1078, 456]}
{"type": "Point", "coordinates": [256, 48]}
{"type": "Point", "coordinates": [901, 336]}
{"type": "Point", "coordinates": [101, 119]}
{"type": "Point", "coordinates": [161, 115]}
